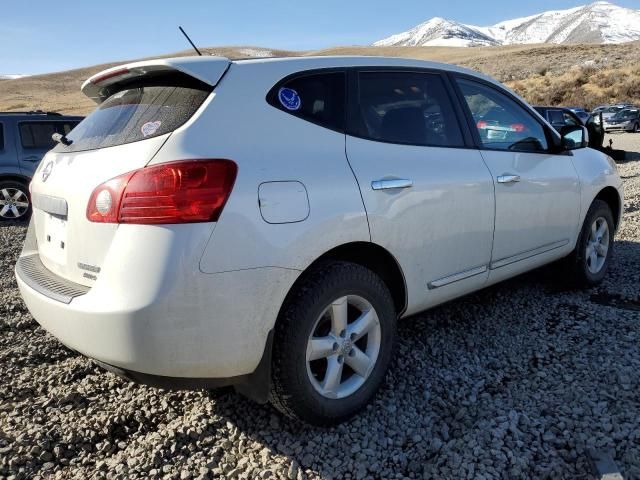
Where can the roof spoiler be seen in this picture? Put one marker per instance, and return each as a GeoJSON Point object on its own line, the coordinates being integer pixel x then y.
{"type": "Point", "coordinates": [206, 69]}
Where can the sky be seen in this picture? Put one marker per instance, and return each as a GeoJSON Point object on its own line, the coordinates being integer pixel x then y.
{"type": "Point", "coordinates": [40, 36]}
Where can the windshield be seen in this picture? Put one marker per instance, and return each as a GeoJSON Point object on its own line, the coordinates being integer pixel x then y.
{"type": "Point", "coordinates": [136, 113]}
{"type": "Point", "coordinates": [625, 114]}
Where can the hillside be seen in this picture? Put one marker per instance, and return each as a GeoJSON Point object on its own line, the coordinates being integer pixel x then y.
{"type": "Point", "coordinates": [569, 74]}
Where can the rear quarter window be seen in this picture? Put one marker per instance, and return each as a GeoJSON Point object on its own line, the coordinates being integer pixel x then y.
{"type": "Point", "coordinates": [315, 97]}
{"type": "Point", "coordinates": [138, 111]}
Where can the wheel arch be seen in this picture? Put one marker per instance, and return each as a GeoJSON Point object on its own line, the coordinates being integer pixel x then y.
{"type": "Point", "coordinates": [611, 197]}
{"type": "Point", "coordinates": [372, 256]}
{"type": "Point", "coordinates": [15, 177]}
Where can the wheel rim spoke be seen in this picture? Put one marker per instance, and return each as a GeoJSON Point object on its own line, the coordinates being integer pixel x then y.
{"type": "Point", "coordinates": [359, 362]}
{"type": "Point", "coordinates": [363, 325]}
{"type": "Point", "coordinates": [339, 312]}
{"type": "Point", "coordinates": [320, 347]}
{"type": "Point", "coordinates": [602, 230]}
{"type": "Point", "coordinates": [594, 231]}
{"type": "Point", "coordinates": [332, 378]}
{"type": "Point", "coordinates": [5, 194]}
{"type": "Point", "coordinates": [22, 204]}
{"type": "Point", "coordinates": [4, 210]}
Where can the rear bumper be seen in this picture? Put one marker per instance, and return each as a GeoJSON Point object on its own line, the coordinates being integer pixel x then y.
{"type": "Point", "coordinates": [161, 316]}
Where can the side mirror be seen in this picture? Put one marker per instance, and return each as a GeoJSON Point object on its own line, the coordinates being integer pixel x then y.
{"type": "Point", "coordinates": [574, 137]}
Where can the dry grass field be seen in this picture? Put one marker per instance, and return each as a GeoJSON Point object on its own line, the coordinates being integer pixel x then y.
{"type": "Point", "coordinates": [544, 74]}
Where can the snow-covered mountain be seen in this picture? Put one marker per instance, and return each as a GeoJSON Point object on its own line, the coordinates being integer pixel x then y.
{"type": "Point", "coordinates": [599, 22]}
{"type": "Point", "coordinates": [11, 76]}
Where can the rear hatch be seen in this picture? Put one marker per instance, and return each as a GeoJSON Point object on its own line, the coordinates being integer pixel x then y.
{"type": "Point", "coordinates": [140, 105]}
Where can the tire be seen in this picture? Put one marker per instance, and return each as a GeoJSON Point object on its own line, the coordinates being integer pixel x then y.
{"type": "Point", "coordinates": [15, 202]}
{"type": "Point", "coordinates": [301, 387]}
{"type": "Point", "coordinates": [585, 269]}
{"type": "Point", "coordinates": [636, 128]}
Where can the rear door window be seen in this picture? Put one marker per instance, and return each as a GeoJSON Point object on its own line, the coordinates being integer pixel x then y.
{"type": "Point", "coordinates": [411, 108]}
{"type": "Point", "coordinates": [137, 112]}
{"type": "Point", "coordinates": [37, 135]}
{"type": "Point", "coordinates": [316, 97]}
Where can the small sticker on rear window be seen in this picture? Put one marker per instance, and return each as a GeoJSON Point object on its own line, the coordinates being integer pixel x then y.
{"type": "Point", "coordinates": [150, 128]}
{"type": "Point", "coordinates": [289, 99]}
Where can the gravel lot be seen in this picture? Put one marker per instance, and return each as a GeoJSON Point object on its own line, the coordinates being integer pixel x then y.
{"type": "Point", "coordinates": [520, 380]}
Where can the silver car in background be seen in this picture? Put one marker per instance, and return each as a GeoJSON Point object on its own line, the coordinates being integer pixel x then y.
{"type": "Point", "coordinates": [627, 120]}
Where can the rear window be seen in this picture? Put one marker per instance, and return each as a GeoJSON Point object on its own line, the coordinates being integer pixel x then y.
{"type": "Point", "coordinates": [137, 112]}
{"type": "Point", "coordinates": [1, 137]}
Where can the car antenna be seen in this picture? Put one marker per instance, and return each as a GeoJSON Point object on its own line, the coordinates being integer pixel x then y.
{"type": "Point", "coordinates": [189, 40]}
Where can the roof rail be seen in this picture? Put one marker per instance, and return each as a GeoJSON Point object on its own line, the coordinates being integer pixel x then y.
{"type": "Point", "coordinates": [33, 112]}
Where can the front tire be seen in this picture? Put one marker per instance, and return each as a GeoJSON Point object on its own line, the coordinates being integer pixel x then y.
{"type": "Point", "coordinates": [334, 340]}
{"type": "Point", "coordinates": [590, 260]}
{"type": "Point", "coordinates": [15, 203]}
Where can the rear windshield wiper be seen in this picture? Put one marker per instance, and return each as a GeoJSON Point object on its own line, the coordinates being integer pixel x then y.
{"type": "Point", "coordinates": [60, 138]}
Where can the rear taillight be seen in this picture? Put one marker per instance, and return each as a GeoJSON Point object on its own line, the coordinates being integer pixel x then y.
{"type": "Point", "coordinates": [482, 124]}
{"type": "Point", "coordinates": [177, 192]}
{"type": "Point", "coordinates": [518, 127]}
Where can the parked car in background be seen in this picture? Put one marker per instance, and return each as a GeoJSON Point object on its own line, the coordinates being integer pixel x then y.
{"type": "Point", "coordinates": [627, 120]}
{"type": "Point", "coordinates": [581, 113]}
{"type": "Point", "coordinates": [560, 117]}
{"type": "Point", "coordinates": [610, 110]}
{"type": "Point", "coordinates": [265, 223]}
{"type": "Point", "coordinates": [25, 137]}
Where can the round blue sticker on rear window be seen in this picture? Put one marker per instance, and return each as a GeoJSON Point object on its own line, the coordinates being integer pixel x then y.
{"type": "Point", "coordinates": [289, 99]}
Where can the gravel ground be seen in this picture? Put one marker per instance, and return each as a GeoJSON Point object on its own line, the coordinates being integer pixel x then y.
{"type": "Point", "coordinates": [520, 380]}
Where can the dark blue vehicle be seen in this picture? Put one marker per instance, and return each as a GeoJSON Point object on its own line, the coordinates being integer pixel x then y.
{"type": "Point", "coordinates": [25, 137]}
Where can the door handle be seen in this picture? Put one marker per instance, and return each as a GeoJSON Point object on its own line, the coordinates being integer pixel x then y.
{"type": "Point", "coordinates": [508, 178]}
{"type": "Point", "coordinates": [391, 184]}
{"type": "Point", "coordinates": [32, 159]}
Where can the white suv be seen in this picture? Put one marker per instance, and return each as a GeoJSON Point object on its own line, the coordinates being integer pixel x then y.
{"type": "Point", "coordinates": [264, 223]}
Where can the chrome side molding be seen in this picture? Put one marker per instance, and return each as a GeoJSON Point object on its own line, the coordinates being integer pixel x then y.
{"type": "Point", "coordinates": [456, 277]}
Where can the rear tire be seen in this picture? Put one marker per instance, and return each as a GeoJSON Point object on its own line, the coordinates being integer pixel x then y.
{"type": "Point", "coordinates": [334, 340]}
{"type": "Point", "coordinates": [15, 202]}
{"type": "Point", "coordinates": [589, 262]}
{"type": "Point", "coordinates": [636, 128]}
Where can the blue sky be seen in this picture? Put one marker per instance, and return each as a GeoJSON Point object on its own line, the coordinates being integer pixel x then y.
{"type": "Point", "coordinates": [38, 36]}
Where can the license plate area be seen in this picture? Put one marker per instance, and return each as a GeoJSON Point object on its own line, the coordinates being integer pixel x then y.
{"type": "Point", "coordinates": [54, 239]}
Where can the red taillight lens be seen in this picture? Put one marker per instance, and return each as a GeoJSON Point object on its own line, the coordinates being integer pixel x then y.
{"type": "Point", "coordinates": [518, 127]}
{"type": "Point", "coordinates": [481, 124]}
{"type": "Point", "coordinates": [178, 192]}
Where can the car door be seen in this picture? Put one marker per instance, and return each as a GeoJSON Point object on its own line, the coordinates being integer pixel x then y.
{"type": "Point", "coordinates": [427, 192]}
{"type": "Point", "coordinates": [8, 163]}
{"type": "Point", "coordinates": [34, 141]}
{"type": "Point", "coordinates": [537, 192]}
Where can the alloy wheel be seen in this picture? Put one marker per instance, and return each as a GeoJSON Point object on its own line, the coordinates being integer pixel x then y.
{"type": "Point", "coordinates": [597, 245]}
{"type": "Point", "coordinates": [343, 347]}
{"type": "Point", "coordinates": [14, 203]}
